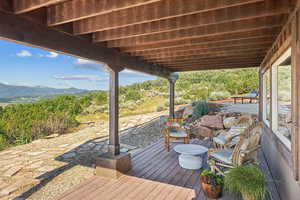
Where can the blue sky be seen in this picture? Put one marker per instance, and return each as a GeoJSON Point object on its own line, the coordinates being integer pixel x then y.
{"type": "Point", "coordinates": [23, 65]}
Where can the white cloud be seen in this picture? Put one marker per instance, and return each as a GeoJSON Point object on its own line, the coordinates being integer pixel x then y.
{"type": "Point", "coordinates": [78, 77]}
{"type": "Point", "coordinates": [82, 63]}
{"type": "Point", "coordinates": [52, 55]}
{"type": "Point", "coordinates": [24, 53]}
{"type": "Point", "coordinates": [49, 55]}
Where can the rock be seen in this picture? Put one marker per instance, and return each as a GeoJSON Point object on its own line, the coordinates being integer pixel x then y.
{"type": "Point", "coordinates": [212, 121]}
{"type": "Point", "coordinates": [52, 136]}
{"type": "Point", "coordinates": [202, 132]}
{"type": "Point", "coordinates": [229, 122]}
{"type": "Point", "coordinates": [12, 171]}
{"type": "Point", "coordinates": [35, 153]}
{"type": "Point", "coordinates": [69, 155]}
{"type": "Point", "coordinates": [47, 168]}
{"type": "Point", "coordinates": [188, 111]}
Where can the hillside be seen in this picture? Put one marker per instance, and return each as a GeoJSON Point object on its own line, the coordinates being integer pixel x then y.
{"type": "Point", "coordinates": [23, 123]}
{"type": "Point", "coordinates": [13, 91]}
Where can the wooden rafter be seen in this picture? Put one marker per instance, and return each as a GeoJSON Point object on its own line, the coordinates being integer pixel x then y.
{"type": "Point", "coordinates": [216, 48]}
{"type": "Point", "coordinates": [22, 6]}
{"type": "Point", "coordinates": [81, 9]}
{"type": "Point", "coordinates": [215, 67]}
{"type": "Point", "coordinates": [206, 31]}
{"type": "Point", "coordinates": [251, 11]}
{"type": "Point", "coordinates": [231, 37]}
{"type": "Point", "coordinates": [152, 12]}
{"type": "Point", "coordinates": [219, 55]}
{"type": "Point", "coordinates": [207, 52]}
{"type": "Point", "coordinates": [203, 61]}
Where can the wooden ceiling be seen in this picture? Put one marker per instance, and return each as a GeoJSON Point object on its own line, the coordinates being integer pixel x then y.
{"type": "Point", "coordinates": [178, 35]}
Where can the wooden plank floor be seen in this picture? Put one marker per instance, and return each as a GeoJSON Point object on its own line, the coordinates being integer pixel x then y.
{"type": "Point", "coordinates": [155, 174]}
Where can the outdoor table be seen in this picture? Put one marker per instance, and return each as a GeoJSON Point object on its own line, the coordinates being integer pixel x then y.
{"type": "Point", "coordinates": [190, 155]}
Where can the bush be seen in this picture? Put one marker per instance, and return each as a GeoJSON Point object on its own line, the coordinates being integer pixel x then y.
{"type": "Point", "coordinates": [160, 108]}
{"type": "Point", "coordinates": [132, 95]}
{"type": "Point", "coordinates": [219, 95]}
{"type": "Point", "coordinates": [200, 109]}
{"type": "Point", "coordinates": [22, 123]}
{"type": "Point", "coordinates": [246, 181]}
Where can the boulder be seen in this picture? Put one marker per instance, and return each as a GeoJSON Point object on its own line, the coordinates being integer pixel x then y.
{"type": "Point", "coordinates": [188, 111]}
{"type": "Point", "coordinates": [201, 132]}
{"type": "Point", "coordinates": [229, 122]}
{"type": "Point", "coordinates": [212, 121]}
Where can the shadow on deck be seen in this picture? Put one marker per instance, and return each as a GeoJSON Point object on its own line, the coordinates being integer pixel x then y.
{"type": "Point", "coordinates": [155, 174]}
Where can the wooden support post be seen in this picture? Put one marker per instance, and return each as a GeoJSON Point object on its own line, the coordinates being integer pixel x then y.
{"type": "Point", "coordinates": [172, 99]}
{"type": "Point", "coordinates": [114, 144]}
{"type": "Point", "coordinates": [172, 80]}
{"type": "Point", "coordinates": [113, 164]}
{"type": "Point", "coordinates": [296, 95]}
{"type": "Point", "coordinates": [260, 110]}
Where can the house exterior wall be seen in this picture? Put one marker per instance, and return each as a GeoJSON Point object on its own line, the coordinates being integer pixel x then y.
{"type": "Point", "coordinates": [280, 163]}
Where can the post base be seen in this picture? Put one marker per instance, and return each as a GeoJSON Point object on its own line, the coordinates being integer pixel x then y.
{"type": "Point", "coordinates": [111, 166]}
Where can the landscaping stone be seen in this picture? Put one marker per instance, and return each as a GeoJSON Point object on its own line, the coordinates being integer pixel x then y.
{"type": "Point", "coordinates": [212, 121]}
{"type": "Point", "coordinates": [202, 132]}
{"type": "Point", "coordinates": [12, 171]}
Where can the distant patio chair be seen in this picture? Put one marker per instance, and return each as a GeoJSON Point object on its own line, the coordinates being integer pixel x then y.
{"type": "Point", "coordinates": [230, 138]}
{"type": "Point", "coordinates": [175, 133]}
{"type": "Point", "coordinates": [245, 151]}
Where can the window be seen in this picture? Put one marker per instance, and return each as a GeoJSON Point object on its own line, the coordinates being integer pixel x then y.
{"type": "Point", "coordinates": [266, 97]}
{"type": "Point", "coordinates": [281, 98]}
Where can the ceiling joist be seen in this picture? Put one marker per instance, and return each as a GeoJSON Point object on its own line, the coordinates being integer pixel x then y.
{"type": "Point", "coordinates": [148, 13]}
{"type": "Point", "coordinates": [251, 11]}
{"type": "Point", "coordinates": [206, 31]}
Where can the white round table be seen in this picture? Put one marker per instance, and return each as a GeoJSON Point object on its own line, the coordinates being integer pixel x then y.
{"type": "Point", "coordinates": [190, 155]}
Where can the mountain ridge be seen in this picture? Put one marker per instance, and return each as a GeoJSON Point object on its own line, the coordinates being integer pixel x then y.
{"type": "Point", "coordinates": [14, 91]}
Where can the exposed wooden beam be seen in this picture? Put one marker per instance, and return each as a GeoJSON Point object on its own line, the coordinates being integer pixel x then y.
{"type": "Point", "coordinates": [219, 55]}
{"type": "Point", "coordinates": [152, 12]}
{"type": "Point", "coordinates": [218, 59]}
{"type": "Point", "coordinates": [26, 32]}
{"type": "Point", "coordinates": [215, 63]}
{"type": "Point", "coordinates": [205, 31]}
{"type": "Point", "coordinates": [244, 12]}
{"type": "Point", "coordinates": [231, 37]}
{"type": "Point", "coordinates": [205, 48]}
{"type": "Point", "coordinates": [203, 62]}
{"type": "Point", "coordinates": [215, 67]}
{"type": "Point", "coordinates": [207, 52]}
{"type": "Point", "coordinates": [81, 9]}
{"type": "Point", "coordinates": [22, 6]}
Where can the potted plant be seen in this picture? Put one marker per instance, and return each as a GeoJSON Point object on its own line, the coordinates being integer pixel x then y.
{"type": "Point", "coordinates": [247, 181]}
{"type": "Point", "coordinates": [212, 184]}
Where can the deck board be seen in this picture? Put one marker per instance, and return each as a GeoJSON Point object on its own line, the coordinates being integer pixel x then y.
{"type": "Point", "coordinates": [155, 174]}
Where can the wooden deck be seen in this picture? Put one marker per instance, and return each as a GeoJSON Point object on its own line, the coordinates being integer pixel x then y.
{"type": "Point", "coordinates": [155, 174]}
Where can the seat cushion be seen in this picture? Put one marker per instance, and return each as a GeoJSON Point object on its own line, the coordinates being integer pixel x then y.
{"type": "Point", "coordinates": [220, 140]}
{"type": "Point", "coordinates": [178, 134]}
{"type": "Point", "coordinates": [224, 155]}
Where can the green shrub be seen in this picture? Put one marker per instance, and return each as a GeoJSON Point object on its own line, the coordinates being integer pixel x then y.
{"type": "Point", "coordinates": [246, 180]}
{"type": "Point", "coordinates": [200, 108]}
{"type": "Point", "coordinates": [132, 95]}
{"type": "Point", "coordinates": [22, 123]}
{"type": "Point", "coordinates": [100, 98]}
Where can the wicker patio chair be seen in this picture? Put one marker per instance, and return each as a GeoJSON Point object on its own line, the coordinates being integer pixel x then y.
{"type": "Point", "coordinates": [175, 133]}
{"type": "Point", "coordinates": [230, 137]}
{"type": "Point", "coordinates": [245, 151]}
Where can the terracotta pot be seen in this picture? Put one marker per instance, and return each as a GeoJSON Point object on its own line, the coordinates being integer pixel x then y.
{"type": "Point", "coordinates": [213, 192]}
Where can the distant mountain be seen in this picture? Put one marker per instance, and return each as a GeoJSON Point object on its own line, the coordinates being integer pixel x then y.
{"type": "Point", "coordinates": [13, 91]}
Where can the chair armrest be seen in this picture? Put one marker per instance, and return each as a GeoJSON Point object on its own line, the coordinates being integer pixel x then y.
{"type": "Point", "coordinates": [212, 150]}
{"type": "Point", "coordinates": [250, 150]}
{"type": "Point", "coordinates": [228, 142]}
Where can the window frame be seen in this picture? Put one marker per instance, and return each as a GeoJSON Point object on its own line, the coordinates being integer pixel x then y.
{"type": "Point", "coordinates": [274, 97]}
